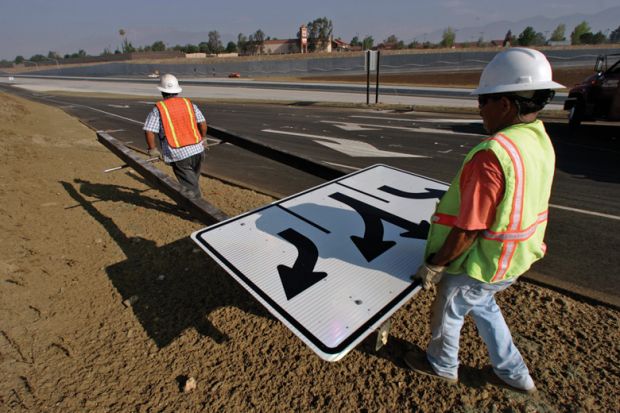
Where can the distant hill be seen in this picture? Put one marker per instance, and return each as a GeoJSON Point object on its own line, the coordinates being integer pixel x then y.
{"type": "Point", "coordinates": [605, 21]}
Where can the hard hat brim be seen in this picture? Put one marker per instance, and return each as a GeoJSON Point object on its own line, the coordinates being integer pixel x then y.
{"type": "Point", "coordinates": [517, 87]}
{"type": "Point", "coordinates": [177, 89]}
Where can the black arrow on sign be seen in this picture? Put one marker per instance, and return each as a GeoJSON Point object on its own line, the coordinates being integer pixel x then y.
{"type": "Point", "coordinates": [431, 193]}
{"type": "Point", "coordinates": [372, 244]}
{"type": "Point", "coordinates": [302, 275]}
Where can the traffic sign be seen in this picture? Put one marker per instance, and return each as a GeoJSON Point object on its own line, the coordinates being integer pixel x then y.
{"type": "Point", "coordinates": [334, 262]}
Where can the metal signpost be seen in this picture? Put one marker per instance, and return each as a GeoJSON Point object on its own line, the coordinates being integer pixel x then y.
{"type": "Point", "coordinates": [372, 63]}
{"type": "Point", "coordinates": [332, 263]}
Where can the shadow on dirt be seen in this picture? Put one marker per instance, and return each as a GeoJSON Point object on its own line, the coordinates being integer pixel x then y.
{"type": "Point", "coordinates": [171, 287]}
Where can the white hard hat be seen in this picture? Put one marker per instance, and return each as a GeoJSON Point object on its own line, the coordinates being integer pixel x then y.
{"type": "Point", "coordinates": [169, 84]}
{"type": "Point", "coordinates": [515, 70]}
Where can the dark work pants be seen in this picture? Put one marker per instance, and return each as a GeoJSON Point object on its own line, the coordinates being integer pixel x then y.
{"type": "Point", "coordinates": [187, 172]}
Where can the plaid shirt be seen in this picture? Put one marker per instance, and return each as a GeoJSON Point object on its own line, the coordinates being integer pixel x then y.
{"type": "Point", "coordinates": [153, 124]}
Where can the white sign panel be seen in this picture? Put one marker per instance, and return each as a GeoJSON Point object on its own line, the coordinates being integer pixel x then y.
{"type": "Point", "coordinates": [371, 60]}
{"type": "Point", "coordinates": [334, 262]}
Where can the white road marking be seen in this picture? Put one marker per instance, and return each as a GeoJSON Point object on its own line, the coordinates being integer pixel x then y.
{"type": "Point", "coordinates": [348, 126]}
{"type": "Point", "coordinates": [405, 128]}
{"type": "Point", "coordinates": [119, 106]}
{"type": "Point", "coordinates": [420, 120]}
{"type": "Point", "coordinates": [349, 147]}
{"type": "Point", "coordinates": [355, 168]}
{"type": "Point", "coordinates": [583, 211]}
{"type": "Point", "coordinates": [103, 111]}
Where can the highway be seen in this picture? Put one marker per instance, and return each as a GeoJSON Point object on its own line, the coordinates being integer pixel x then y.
{"type": "Point", "coordinates": [584, 224]}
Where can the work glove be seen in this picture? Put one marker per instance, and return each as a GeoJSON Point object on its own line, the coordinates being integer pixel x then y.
{"type": "Point", "coordinates": [154, 153]}
{"type": "Point", "coordinates": [429, 275]}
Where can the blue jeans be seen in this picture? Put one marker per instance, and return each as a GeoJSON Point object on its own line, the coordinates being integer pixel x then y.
{"type": "Point", "coordinates": [457, 296]}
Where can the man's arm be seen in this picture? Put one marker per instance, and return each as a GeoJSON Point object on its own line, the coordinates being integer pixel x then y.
{"type": "Point", "coordinates": [202, 127]}
{"type": "Point", "coordinates": [150, 140]}
{"type": "Point", "coordinates": [457, 242]}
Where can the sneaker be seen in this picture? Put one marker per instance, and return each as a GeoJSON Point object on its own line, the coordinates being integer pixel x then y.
{"type": "Point", "coordinates": [528, 388]}
{"type": "Point", "coordinates": [420, 364]}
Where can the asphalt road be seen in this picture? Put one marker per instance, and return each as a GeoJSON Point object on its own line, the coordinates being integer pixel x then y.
{"type": "Point", "coordinates": [584, 225]}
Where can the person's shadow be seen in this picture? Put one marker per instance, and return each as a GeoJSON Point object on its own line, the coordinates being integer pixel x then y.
{"type": "Point", "coordinates": [396, 348]}
{"type": "Point", "coordinates": [172, 287]}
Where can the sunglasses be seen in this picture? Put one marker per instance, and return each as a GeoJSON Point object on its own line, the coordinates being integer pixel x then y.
{"type": "Point", "coordinates": [484, 99]}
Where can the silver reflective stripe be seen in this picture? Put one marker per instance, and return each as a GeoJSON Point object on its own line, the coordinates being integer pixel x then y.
{"type": "Point", "coordinates": [516, 235]}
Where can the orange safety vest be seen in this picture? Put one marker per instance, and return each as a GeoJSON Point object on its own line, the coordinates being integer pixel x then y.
{"type": "Point", "coordinates": [179, 120]}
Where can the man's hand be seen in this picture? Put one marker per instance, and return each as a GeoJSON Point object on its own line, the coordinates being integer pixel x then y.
{"type": "Point", "coordinates": [429, 275]}
{"type": "Point", "coordinates": [154, 153]}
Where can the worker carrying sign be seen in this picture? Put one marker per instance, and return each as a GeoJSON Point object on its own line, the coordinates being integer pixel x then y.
{"type": "Point", "coordinates": [489, 227]}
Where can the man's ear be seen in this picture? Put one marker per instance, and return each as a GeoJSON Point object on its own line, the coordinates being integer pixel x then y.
{"type": "Point", "coordinates": [507, 105]}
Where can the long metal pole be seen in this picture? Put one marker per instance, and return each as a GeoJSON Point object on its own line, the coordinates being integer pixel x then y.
{"type": "Point", "coordinates": [377, 87]}
{"type": "Point", "coordinates": [368, 77]}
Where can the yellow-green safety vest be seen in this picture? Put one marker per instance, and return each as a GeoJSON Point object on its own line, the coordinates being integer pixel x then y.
{"type": "Point", "coordinates": [515, 239]}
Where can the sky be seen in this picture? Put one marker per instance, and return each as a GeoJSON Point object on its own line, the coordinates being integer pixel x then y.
{"type": "Point", "coordinates": [29, 27]}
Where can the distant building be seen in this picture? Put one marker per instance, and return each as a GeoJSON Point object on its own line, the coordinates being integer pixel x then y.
{"type": "Point", "coordinates": [285, 46]}
{"type": "Point", "coordinates": [300, 45]}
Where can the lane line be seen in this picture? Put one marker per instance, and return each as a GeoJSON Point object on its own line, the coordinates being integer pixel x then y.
{"type": "Point", "coordinates": [583, 211]}
{"type": "Point", "coordinates": [419, 120]}
{"type": "Point", "coordinates": [102, 111]}
{"type": "Point", "coordinates": [355, 168]}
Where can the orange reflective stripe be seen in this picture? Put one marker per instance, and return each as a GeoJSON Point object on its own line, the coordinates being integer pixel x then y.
{"type": "Point", "coordinates": [443, 219]}
{"type": "Point", "coordinates": [516, 215]}
{"type": "Point", "coordinates": [192, 116]}
{"type": "Point", "coordinates": [521, 235]}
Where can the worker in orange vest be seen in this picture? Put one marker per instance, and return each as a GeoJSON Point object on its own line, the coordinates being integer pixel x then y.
{"type": "Point", "coordinates": [181, 129]}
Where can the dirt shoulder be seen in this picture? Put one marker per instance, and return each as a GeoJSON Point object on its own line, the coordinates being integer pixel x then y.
{"type": "Point", "coordinates": [107, 305]}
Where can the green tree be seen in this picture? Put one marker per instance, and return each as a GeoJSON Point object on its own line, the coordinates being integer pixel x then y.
{"type": "Point", "coordinates": [231, 47]}
{"type": "Point", "coordinates": [391, 39]}
{"type": "Point", "coordinates": [355, 41]}
{"type": "Point", "coordinates": [215, 42]}
{"type": "Point", "coordinates": [590, 38]}
{"type": "Point", "coordinates": [579, 30]}
{"type": "Point", "coordinates": [368, 42]}
{"type": "Point", "coordinates": [319, 33]}
{"type": "Point", "coordinates": [448, 37]}
{"type": "Point", "coordinates": [203, 47]}
{"type": "Point", "coordinates": [242, 43]}
{"type": "Point", "coordinates": [19, 59]}
{"type": "Point", "coordinates": [527, 37]}
{"type": "Point", "coordinates": [37, 58]}
{"type": "Point", "coordinates": [257, 42]}
{"type": "Point", "coordinates": [558, 34]}
{"type": "Point", "coordinates": [158, 46]}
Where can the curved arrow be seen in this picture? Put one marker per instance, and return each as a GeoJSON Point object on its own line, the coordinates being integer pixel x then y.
{"type": "Point", "coordinates": [429, 194]}
{"type": "Point", "coordinates": [372, 244]}
{"type": "Point", "coordinates": [301, 276]}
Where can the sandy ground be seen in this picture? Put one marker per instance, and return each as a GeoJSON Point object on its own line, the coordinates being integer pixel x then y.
{"type": "Point", "coordinates": [107, 306]}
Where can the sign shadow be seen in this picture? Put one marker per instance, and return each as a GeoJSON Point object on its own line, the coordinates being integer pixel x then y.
{"type": "Point", "coordinates": [169, 288]}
